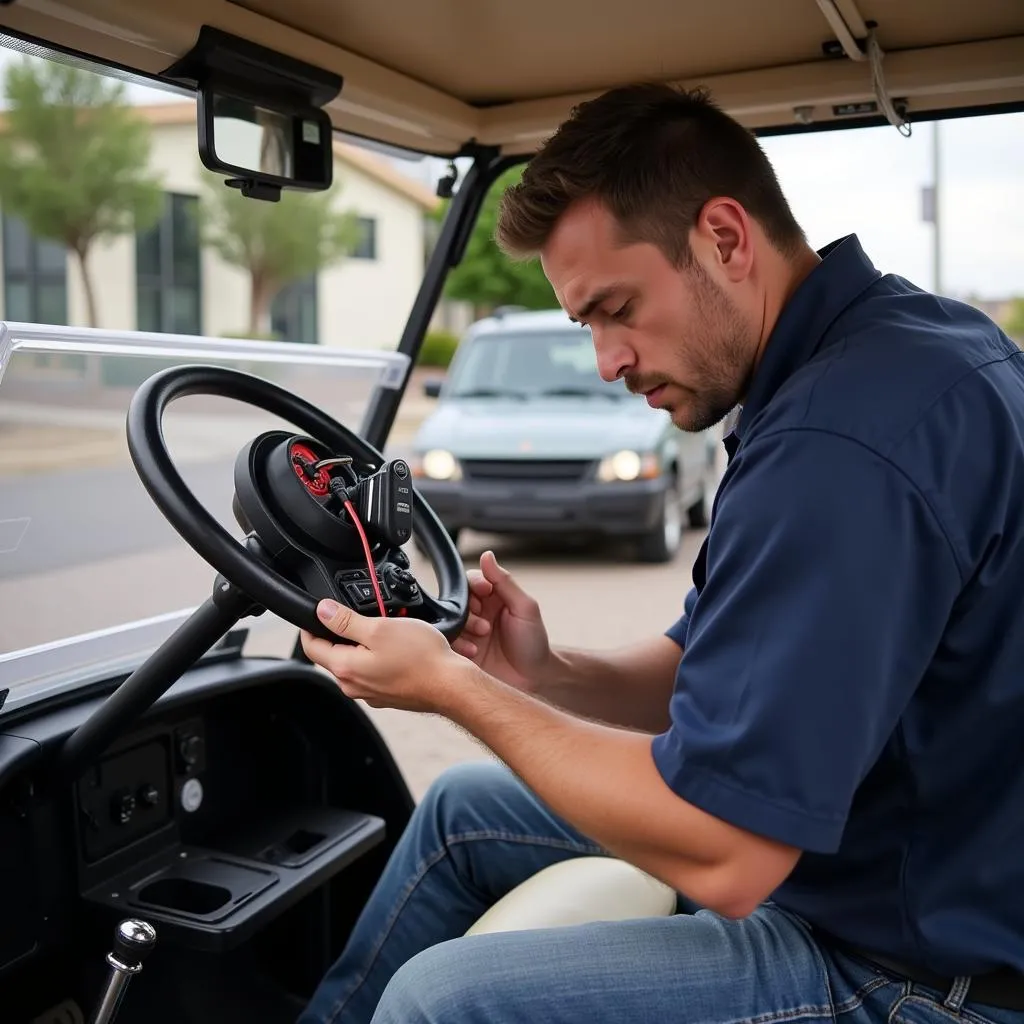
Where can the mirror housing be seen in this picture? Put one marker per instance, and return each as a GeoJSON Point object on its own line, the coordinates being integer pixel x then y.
{"type": "Point", "coordinates": [260, 114]}
{"type": "Point", "coordinates": [432, 387]}
{"type": "Point", "coordinates": [264, 147]}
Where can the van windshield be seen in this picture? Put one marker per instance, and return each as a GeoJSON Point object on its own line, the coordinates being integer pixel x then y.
{"type": "Point", "coordinates": [530, 365]}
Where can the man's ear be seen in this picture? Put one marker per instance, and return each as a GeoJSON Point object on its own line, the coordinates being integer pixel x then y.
{"type": "Point", "coordinates": [724, 235]}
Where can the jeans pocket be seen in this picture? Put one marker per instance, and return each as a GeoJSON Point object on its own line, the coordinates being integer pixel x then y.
{"type": "Point", "coordinates": [922, 1007]}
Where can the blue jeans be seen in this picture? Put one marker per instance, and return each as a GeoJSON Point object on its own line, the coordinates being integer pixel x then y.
{"type": "Point", "coordinates": [476, 835]}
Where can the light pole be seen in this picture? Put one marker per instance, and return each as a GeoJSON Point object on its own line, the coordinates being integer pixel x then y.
{"type": "Point", "coordinates": [936, 215]}
{"type": "Point", "coordinates": [930, 200]}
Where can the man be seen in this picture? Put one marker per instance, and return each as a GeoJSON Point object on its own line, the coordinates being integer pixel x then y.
{"type": "Point", "coordinates": [824, 752]}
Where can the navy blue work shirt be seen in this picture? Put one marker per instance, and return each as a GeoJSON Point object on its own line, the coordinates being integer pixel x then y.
{"type": "Point", "coordinates": [852, 681]}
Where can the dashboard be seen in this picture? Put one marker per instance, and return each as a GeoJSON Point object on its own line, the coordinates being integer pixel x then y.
{"type": "Point", "coordinates": [252, 789]}
{"type": "Point", "coordinates": [147, 847]}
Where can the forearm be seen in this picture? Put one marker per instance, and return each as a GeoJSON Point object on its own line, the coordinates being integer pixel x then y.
{"type": "Point", "coordinates": [630, 686]}
{"type": "Point", "coordinates": [604, 781]}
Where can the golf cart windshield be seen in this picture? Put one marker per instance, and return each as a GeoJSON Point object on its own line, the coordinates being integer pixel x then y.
{"type": "Point", "coordinates": [83, 549]}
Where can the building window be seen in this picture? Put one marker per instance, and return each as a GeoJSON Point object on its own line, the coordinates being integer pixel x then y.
{"type": "Point", "coordinates": [35, 276]}
{"type": "Point", "coordinates": [168, 270]}
{"type": "Point", "coordinates": [293, 313]}
{"type": "Point", "coordinates": [366, 247]}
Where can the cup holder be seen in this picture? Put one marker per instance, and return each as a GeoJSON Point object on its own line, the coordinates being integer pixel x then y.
{"type": "Point", "coordinates": [185, 894]}
{"type": "Point", "coordinates": [203, 887]}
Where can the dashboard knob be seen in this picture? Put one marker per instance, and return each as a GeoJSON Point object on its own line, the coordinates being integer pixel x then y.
{"type": "Point", "coordinates": [191, 749]}
{"type": "Point", "coordinates": [149, 795]}
{"type": "Point", "coordinates": [402, 582]}
{"type": "Point", "coordinates": [122, 806]}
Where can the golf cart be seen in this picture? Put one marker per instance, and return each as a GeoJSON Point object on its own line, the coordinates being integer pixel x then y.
{"type": "Point", "coordinates": [189, 825]}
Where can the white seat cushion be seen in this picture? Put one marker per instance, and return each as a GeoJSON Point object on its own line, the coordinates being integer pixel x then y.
{"type": "Point", "coordinates": [577, 891]}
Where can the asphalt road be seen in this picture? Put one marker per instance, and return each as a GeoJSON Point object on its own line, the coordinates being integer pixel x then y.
{"type": "Point", "coordinates": [60, 520]}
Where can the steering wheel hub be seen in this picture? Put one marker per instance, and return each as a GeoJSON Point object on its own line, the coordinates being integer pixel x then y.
{"type": "Point", "coordinates": [324, 524]}
{"type": "Point", "coordinates": [325, 515]}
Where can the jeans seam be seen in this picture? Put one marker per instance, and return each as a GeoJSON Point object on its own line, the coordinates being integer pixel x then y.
{"type": "Point", "coordinates": [861, 994]}
{"type": "Point", "coordinates": [965, 1013]}
{"type": "Point", "coordinates": [811, 1010]}
{"type": "Point", "coordinates": [527, 839]}
{"type": "Point", "coordinates": [421, 872]}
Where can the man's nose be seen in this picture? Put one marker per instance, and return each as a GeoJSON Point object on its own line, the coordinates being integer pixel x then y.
{"type": "Point", "coordinates": [614, 356]}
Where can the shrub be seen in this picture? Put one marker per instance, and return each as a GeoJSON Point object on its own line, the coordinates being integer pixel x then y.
{"type": "Point", "coordinates": [438, 349]}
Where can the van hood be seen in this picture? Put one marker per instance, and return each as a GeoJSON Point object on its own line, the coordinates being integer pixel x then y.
{"type": "Point", "coordinates": [555, 428]}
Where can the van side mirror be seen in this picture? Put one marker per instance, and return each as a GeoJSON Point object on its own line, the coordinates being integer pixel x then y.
{"type": "Point", "coordinates": [432, 387]}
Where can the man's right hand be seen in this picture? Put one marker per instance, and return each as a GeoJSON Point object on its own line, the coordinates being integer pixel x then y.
{"type": "Point", "coordinates": [504, 634]}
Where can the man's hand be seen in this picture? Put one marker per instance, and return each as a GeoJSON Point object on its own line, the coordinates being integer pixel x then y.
{"type": "Point", "coordinates": [601, 779]}
{"type": "Point", "coordinates": [504, 634]}
{"type": "Point", "coordinates": [397, 663]}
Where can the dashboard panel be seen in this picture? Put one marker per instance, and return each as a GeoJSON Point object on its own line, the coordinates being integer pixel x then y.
{"type": "Point", "coordinates": [249, 790]}
{"type": "Point", "coordinates": [148, 845]}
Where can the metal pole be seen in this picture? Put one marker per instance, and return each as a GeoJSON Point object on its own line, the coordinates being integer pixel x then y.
{"type": "Point", "coordinates": [936, 217]}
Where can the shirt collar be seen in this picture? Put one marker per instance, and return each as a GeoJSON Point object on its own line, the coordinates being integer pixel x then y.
{"type": "Point", "coordinates": [843, 274]}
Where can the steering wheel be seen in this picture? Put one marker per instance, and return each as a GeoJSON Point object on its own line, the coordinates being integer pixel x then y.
{"type": "Point", "coordinates": [324, 513]}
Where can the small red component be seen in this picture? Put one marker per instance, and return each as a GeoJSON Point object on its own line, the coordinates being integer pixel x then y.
{"type": "Point", "coordinates": [319, 484]}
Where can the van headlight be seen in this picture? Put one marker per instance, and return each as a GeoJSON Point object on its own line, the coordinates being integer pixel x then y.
{"type": "Point", "coordinates": [628, 465]}
{"type": "Point", "coordinates": [437, 464]}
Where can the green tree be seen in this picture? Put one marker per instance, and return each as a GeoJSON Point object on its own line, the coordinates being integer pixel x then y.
{"type": "Point", "coordinates": [276, 243]}
{"type": "Point", "coordinates": [486, 277]}
{"type": "Point", "coordinates": [1013, 322]}
{"type": "Point", "coordinates": [74, 160]}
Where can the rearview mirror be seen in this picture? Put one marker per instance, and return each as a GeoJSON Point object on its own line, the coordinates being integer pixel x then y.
{"type": "Point", "coordinates": [432, 387]}
{"type": "Point", "coordinates": [264, 147]}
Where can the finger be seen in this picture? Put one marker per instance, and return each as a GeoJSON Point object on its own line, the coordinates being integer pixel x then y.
{"type": "Point", "coordinates": [476, 606]}
{"type": "Point", "coordinates": [343, 621]}
{"type": "Point", "coordinates": [477, 626]}
{"type": "Point", "coordinates": [465, 647]}
{"type": "Point", "coordinates": [479, 584]}
{"type": "Point", "coordinates": [505, 586]}
{"type": "Point", "coordinates": [316, 649]}
{"type": "Point", "coordinates": [323, 652]}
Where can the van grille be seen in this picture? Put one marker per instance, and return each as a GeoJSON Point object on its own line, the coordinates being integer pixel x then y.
{"type": "Point", "coordinates": [555, 470]}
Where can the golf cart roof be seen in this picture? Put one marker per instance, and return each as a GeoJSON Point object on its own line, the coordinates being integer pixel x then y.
{"type": "Point", "coordinates": [437, 75]}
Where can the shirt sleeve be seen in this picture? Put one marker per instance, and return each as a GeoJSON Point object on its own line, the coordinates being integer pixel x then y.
{"type": "Point", "coordinates": [677, 631]}
{"type": "Point", "coordinates": [829, 584]}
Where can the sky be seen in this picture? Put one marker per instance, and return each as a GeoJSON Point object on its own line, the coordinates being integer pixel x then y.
{"type": "Point", "coordinates": [869, 181]}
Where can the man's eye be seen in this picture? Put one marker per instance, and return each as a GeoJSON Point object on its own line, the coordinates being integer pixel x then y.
{"type": "Point", "coordinates": [621, 312]}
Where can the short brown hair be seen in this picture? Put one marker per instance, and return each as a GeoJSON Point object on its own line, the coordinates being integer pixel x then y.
{"type": "Point", "coordinates": [653, 154]}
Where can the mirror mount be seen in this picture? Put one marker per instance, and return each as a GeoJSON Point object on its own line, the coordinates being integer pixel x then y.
{"type": "Point", "coordinates": [259, 115]}
{"type": "Point", "coordinates": [255, 189]}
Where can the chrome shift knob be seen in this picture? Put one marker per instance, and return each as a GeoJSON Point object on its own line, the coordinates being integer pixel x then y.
{"type": "Point", "coordinates": [133, 940]}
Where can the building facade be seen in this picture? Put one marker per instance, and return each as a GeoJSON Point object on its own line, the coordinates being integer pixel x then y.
{"type": "Point", "coordinates": [164, 280]}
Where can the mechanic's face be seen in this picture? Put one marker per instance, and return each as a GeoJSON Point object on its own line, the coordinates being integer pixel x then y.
{"type": "Point", "coordinates": [681, 337]}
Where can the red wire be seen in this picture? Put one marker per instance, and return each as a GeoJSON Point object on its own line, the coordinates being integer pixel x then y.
{"type": "Point", "coordinates": [369, 557]}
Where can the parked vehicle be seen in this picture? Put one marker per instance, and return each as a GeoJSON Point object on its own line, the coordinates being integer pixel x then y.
{"type": "Point", "coordinates": [529, 439]}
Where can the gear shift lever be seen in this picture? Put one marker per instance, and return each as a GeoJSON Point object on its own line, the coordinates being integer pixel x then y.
{"type": "Point", "coordinates": [133, 939]}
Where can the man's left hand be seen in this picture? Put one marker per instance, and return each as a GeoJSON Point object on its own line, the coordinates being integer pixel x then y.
{"type": "Point", "coordinates": [393, 663]}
